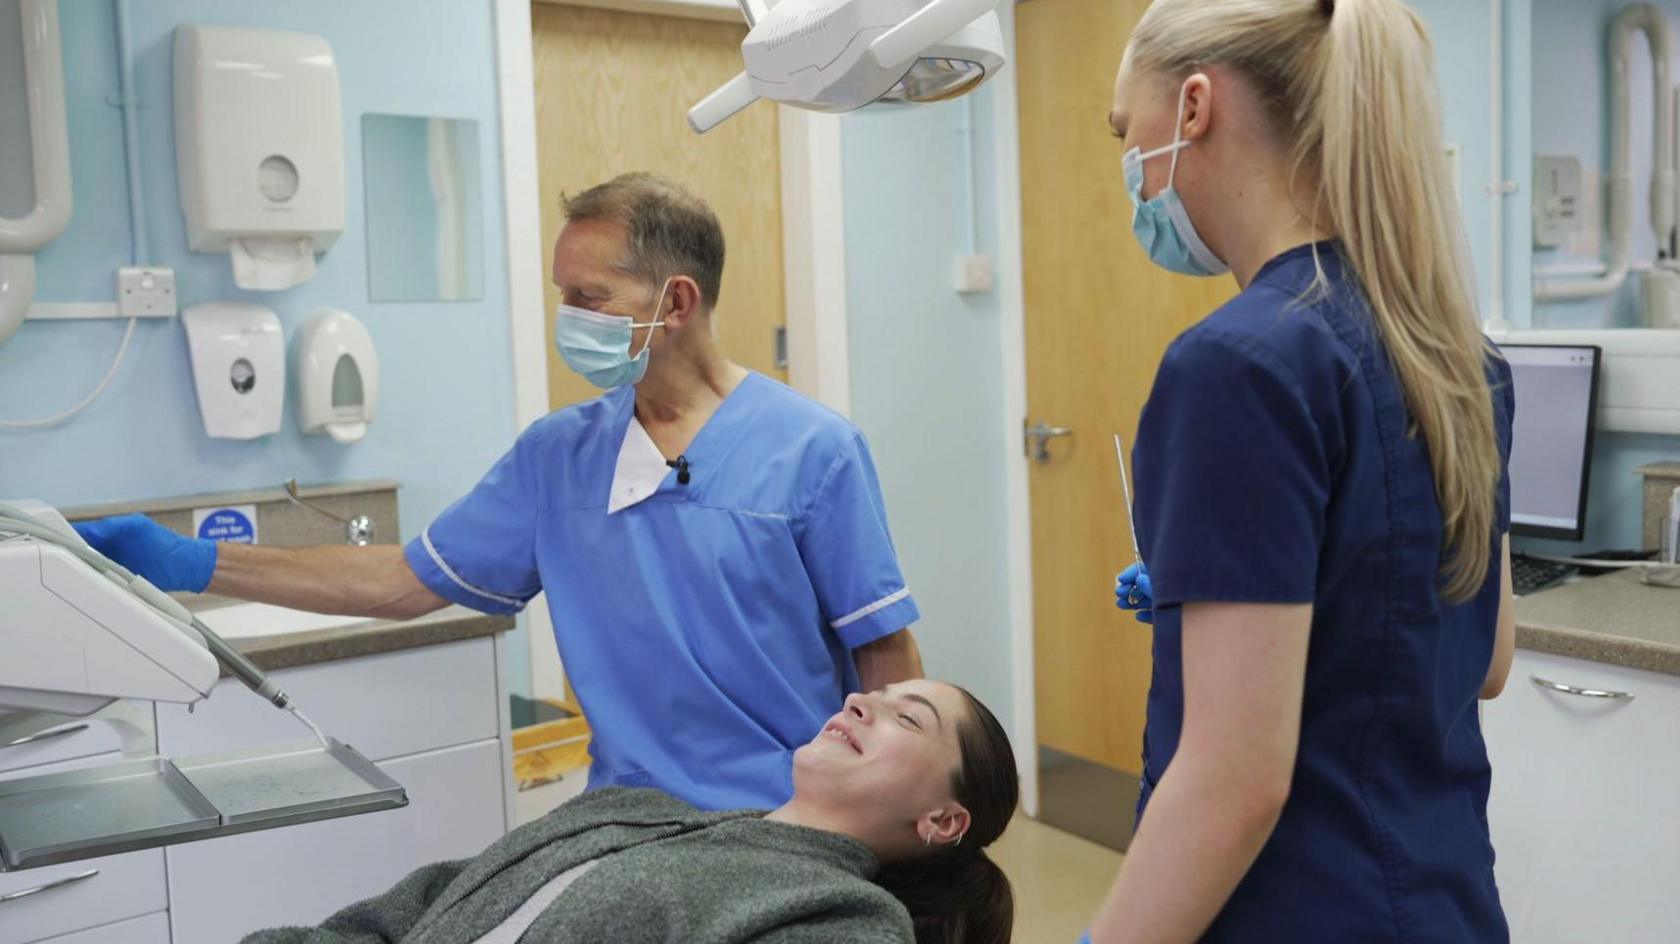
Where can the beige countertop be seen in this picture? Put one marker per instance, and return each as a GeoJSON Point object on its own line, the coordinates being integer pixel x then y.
{"type": "Point", "coordinates": [361, 638]}
{"type": "Point", "coordinates": [1615, 619]}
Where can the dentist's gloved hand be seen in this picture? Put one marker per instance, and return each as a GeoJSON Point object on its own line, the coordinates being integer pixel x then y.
{"type": "Point", "coordinates": [1133, 584]}
{"type": "Point", "coordinates": [169, 561]}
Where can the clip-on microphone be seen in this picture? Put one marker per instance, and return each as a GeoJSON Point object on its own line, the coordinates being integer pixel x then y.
{"type": "Point", "coordinates": [680, 463]}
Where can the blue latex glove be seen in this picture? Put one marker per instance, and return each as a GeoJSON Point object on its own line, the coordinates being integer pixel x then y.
{"type": "Point", "coordinates": [1134, 591]}
{"type": "Point", "coordinates": [170, 561]}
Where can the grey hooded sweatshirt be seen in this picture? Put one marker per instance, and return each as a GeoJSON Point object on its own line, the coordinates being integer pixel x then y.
{"type": "Point", "coordinates": [667, 873]}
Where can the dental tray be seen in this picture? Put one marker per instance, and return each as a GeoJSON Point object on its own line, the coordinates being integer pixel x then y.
{"type": "Point", "coordinates": [139, 804]}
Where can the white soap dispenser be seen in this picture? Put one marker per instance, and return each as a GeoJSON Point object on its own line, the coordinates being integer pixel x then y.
{"type": "Point", "coordinates": [239, 368]}
{"type": "Point", "coordinates": [337, 375]}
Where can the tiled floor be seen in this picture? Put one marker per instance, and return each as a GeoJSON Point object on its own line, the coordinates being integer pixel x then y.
{"type": "Point", "coordinates": [1059, 880]}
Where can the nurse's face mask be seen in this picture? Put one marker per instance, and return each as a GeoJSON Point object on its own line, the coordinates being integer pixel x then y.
{"type": "Point", "coordinates": [1161, 224]}
{"type": "Point", "coordinates": [597, 345]}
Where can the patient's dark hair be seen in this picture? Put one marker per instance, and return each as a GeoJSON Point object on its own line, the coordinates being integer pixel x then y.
{"type": "Point", "coordinates": [957, 894]}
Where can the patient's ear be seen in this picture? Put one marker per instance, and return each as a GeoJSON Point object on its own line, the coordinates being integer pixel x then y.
{"type": "Point", "coordinates": [944, 826]}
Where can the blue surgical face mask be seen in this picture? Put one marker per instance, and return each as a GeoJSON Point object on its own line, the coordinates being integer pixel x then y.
{"type": "Point", "coordinates": [1161, 224]}
{"type": "Point", "coordinates": [597, 345]}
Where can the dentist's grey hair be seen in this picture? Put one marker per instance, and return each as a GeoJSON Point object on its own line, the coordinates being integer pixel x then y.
{"type": "Point", "coordinates": [671, 232]}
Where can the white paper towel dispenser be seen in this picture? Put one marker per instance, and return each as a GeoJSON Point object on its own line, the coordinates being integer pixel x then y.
{"type": "Point", "coordinates": [239, 368]}
{"type": "Point", "coordinates": [337, 375]}
{"type": "Point", "coordinates": [259, 144]}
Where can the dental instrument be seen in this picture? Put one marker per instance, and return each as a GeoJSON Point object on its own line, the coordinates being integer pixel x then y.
{"type": "Point", "coordinates": [1131, 524]}
{"type": "Point", "coordinates": [79, 637]}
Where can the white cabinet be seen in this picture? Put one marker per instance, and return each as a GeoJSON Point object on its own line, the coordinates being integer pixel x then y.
{"type": "Point", "coordinates": [151, 929]}
{"type": "Point", "coordinates": [58, 899]}
{"type": "Point", "coordinates": [384, 705]}
{"type": "Point", "coordinates": [433, 717]}
{"type": "Point", "coordinates": [68, 741]}
{"type": "Point", "coordinates": [1583, 809]}
{"type": "Point", "coordinates": [223, 889]}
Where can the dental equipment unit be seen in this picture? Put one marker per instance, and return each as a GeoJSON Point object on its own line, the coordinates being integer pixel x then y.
{"type": "Point", "coordinates": [80, 636]}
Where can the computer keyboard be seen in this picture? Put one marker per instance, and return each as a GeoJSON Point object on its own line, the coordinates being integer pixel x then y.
{"type": "Point", "coordinates": [1529, 574]}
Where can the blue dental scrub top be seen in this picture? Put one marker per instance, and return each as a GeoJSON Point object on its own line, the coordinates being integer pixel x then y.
{"type": "Point", "coordinates": [1274, 465]}
{"type": "Point", "coordinates": [707, 628]}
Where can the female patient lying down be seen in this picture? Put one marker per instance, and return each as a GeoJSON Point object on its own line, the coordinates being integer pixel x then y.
{"type": "Point", "coordinates": [894, 802]}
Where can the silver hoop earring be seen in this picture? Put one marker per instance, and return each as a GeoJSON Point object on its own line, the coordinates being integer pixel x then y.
{"type": "Point", "coordinates": [959, 841]}
{"type": "Point", "coordinates": [927, 840]}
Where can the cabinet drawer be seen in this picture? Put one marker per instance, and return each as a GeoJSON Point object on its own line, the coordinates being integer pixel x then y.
{"type": "Point", "coordinates": [1581, 812]}
{"type": "Point", "coordinates": [223, 889]}
{"type": "Point", "coordinates": [385, 705]}
{"type": "Point", "coordinates": [151, 929]}
{"type": "Point", "coordinates": [67, 741]}
{"type": "Point", "coordinates": [123, 886]}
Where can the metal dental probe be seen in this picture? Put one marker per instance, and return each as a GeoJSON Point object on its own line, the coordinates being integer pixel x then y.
{"type": "Point", "coordinates": [1126, 487]}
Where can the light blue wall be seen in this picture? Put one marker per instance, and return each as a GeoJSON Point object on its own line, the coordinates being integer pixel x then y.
{"type": "Point", "coordinates": [1556, 83]}
{"type": "Point", "coordinates": [446, 399]}
{"type": "Point", "coordinates": [926, 374]}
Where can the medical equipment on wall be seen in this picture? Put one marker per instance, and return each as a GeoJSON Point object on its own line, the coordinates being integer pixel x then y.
{"type": "Point", "coordinates": [840, 55]}
{"type": "Point", "coordinates": [337, 376]}
{"type": "Point", "coordinates": [79, 635]}
{"type": "Point", "coordinates": [239, 368]}
{"type": "Point", "coordinates": [259, 143]}
{"type": "Point", "coordinates": [49, 139]}
{"type": "Point", "coordinates": [1660, 292]}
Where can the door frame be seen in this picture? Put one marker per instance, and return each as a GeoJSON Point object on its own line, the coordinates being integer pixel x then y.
{"type": "Point", "coordinates": [813, 250]}
{"type": "Point", "coordinates": [1012, 307]}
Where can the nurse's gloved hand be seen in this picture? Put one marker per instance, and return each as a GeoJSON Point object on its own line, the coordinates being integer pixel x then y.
{"type": "Point", "coordinates": [1134, 591]}
{"type": "Point", "coordinates": [170, 561]}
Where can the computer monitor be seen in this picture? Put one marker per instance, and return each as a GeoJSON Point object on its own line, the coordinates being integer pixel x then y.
{"type": "Point", "coordinates": [1552, 442]}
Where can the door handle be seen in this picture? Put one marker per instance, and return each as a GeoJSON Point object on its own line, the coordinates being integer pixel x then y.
{"type": "Point", "coordinates": [1582, 692]}
{"type": "Point", "coordinates": [67, 880]}
{"type": "Point", "coordinates": [45, 736]}
{"type": "Point", "coordinates": [1038, 437]}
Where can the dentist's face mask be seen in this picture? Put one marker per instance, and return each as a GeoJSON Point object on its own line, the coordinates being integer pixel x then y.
{"type": "Point", "coordinates": [597, 345]}
{"type": "Point", "coordinates": [1161, 224]}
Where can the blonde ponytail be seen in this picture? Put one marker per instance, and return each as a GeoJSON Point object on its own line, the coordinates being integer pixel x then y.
{"type": "Point", "coordinates": [1351, 87]}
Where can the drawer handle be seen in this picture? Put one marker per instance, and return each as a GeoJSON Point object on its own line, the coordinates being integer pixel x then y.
{"type": "Point", "coordinates": [67, 880]}
{"type": "Point", "coordinates": [45, 736]}
{"type": "Point", "coordinates": [1583, 692]}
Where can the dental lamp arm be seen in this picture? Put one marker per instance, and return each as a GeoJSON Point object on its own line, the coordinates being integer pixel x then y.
{"type": "Point", "coordinates": [900, 45]}
{"type": "Point", "coordinates": [717, 107]}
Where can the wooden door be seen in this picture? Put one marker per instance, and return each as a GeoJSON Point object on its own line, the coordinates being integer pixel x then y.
{"type": "Point", "coordinates": [1099, 316]}
{"type": "Point", "coordinates": [613, 93]}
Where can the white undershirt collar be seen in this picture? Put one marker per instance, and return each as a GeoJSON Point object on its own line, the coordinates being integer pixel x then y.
{"type": "Point", "coordinates": [640, 470]}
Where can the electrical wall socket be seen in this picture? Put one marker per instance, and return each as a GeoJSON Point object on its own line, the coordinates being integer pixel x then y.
{"type": "Point", "coordinates": [146, 292]}
{"type": "Point", "coordinates": [974, 274]}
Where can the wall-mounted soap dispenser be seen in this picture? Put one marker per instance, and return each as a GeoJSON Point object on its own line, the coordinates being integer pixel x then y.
{"type": "Point", "coordinates": [259, 144]}
{"type": "Point", "coordinates": [239, 368]}
{"type": "Point", "coordinates": [337, 375]}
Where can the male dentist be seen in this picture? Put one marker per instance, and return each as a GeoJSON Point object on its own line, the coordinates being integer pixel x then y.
{"type": "Point", "coordinates": [713, 545]}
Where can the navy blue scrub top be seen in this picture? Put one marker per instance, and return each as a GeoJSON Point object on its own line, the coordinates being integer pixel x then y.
{"type": "Point", "coordinates": [707, 627]}
{"type": "Point", "coordinates": [1274, 466]}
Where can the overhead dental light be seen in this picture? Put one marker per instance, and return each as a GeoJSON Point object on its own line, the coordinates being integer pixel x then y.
{"type": "Point", "coordinates": [840, 55]}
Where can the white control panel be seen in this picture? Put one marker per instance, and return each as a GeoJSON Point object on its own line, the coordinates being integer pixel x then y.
{"type": "Point", "coordinates": [1557, 200]}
